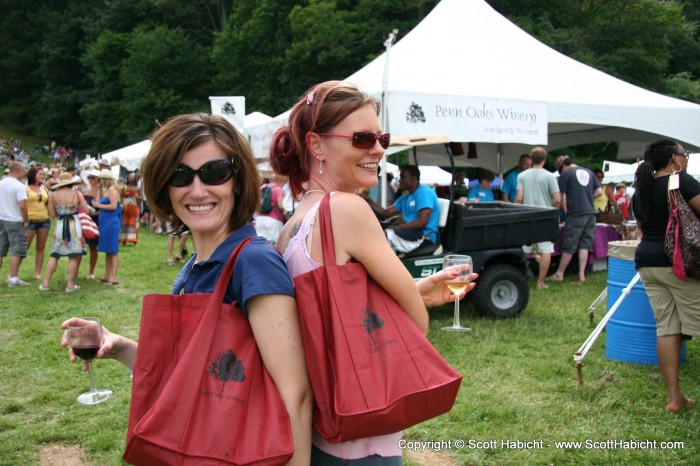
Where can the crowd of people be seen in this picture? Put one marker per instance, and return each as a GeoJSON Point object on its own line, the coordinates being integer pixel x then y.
{"type": "Point", "coordinates": [34, 197]}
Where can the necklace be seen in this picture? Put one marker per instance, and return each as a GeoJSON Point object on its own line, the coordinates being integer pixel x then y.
{"type": "Point", "coordinates": [309, 192]}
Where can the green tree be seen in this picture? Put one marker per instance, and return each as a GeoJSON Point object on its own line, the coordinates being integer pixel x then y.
{"type": "Point", "coordinates": [104, 110]}
{"type": "Point", "coordinates": [249, 54]}
{"type": "Point", "coordinates": [166, 73]}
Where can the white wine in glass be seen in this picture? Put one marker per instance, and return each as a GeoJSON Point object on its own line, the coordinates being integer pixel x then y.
{"type": "Point", "coordinates": [462, 265]}
{"type": "Point", "coordinates": [85, 339]}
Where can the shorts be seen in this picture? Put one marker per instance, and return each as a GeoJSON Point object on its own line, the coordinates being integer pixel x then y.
{"type": "Point", "coordinates": [13, 236]}
{"type": "Point", "coordinates": [676, 304]}
{"type": "Point", "coordinates": [579, 233]}
{"type": "Point", "coordinates": [35, 225]}
{"type": "Point", "coordinates": [543, 248]}
{"type": "Point", "coordinates": [404, 240]}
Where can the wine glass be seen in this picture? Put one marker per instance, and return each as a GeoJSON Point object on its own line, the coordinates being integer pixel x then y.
{"type": "Point", "coordinates": [85, 339]}
{"type": "Point", "coordinates": [463, 266]}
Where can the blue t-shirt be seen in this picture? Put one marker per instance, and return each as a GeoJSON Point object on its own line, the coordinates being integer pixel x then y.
{"type": "Point", "coordinates": [259, 269]}
{"type": "Point", "coordinates": [483, 194]}
{"type": "Point", "coordinates": [510, 185]}
{"type": "Point", "coordinates": [422, 198]}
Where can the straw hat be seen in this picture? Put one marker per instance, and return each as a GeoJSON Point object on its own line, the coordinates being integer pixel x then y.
{"type": "Point", "coordinates": [64, 179]}
{"type": "Point", "coordinates": [104, 163]}
{"type": "Point", "coordinates": [106, 174]}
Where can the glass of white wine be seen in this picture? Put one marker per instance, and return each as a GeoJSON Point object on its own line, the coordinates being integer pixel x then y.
{"type": "Point", "coordinates": [462, 265]}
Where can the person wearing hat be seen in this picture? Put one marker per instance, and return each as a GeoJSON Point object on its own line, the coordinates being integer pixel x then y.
{"type": "Point", "coordinates": [68, 241]}
{"type": "Point", "coordinates": [104, 163]}
{"type": "Point", "coordinates": [110, 223]}
{"type": "Point", "coordinates": [91, 194]}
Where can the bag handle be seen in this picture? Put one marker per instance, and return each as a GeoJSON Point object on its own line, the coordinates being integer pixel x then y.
{"type": "Point", "coordinates": [210, 318]}
{"type": "Point", "coordinates": [217, 295]}
{"type": "Point", "coordinates": [327, 243]}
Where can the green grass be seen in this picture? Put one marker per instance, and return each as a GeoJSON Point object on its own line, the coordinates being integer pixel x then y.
{"type": "Point", "coordinates": [519, 379]}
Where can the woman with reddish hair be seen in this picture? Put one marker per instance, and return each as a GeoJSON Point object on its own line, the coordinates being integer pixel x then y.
{"type": "Point", "coordinates": [333, 144]}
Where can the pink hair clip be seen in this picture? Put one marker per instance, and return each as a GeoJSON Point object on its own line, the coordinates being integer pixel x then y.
{"type": "Point", "coordinates": [310, 98]}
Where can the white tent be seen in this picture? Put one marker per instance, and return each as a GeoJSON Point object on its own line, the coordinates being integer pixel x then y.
{"type": "Point", "coordinates": [465, 65]}
{"type": "Point", "coordinates": [616, 172]}
{"type": "Point", "coordinates": [129, 156]}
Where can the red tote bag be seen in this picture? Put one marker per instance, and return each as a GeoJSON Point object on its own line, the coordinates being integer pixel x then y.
{"type": "Point", "coordinates": [372, 370]}
{"type": "Point", "coordinates": [201, 395]}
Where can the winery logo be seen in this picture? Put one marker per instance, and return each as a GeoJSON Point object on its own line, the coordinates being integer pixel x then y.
{"type": "Point", "coordinates": [226, 367]}
{"type": "Point", "coordinates": [415, 114]}
{"type": "Point", "coordinates": [372, 322]}
{"type": "Point", "coordinates": [228, 109]}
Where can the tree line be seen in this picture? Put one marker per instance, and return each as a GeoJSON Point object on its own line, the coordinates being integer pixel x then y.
{"type": "Point", "coordinates": [98, 74]}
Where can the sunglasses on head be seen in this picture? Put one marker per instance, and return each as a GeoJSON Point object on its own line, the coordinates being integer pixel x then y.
{"type": "Point", "coordinates": [213, 173]}
{"type": "Point", "coordinates": [364, 139]}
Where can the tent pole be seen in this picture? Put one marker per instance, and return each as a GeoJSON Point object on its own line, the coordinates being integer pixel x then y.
{"type": "Point", "coordinates": [385, 113]}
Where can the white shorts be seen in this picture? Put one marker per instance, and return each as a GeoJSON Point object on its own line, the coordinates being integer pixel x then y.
{"type": "Point", "coordinates": [400, 244]}
{"type": "Point", "coordinates": [543, 248]}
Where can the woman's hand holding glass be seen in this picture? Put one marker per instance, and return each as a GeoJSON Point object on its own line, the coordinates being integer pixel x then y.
{"type": "Point", "coordinates": [434, 291]}
{"type": "Point", "coordinates": [85, 337]}
{"type": "Point", "coordinates": [113, 346]}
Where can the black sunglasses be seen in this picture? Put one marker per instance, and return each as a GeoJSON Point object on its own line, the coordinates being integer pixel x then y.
{"type": "Point", "coordinates": [682, 154]}
{"type": "Point", "coordinates": [213, 173]}
{"type": "Point", "coordinates": [364, 139]}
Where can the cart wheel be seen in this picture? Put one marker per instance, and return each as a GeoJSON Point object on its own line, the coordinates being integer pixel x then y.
{"type": "Point", "coordinates": [501, 292]}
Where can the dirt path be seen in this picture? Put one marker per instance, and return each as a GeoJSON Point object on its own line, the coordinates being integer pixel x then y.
{"type": "Point", "coordinates": [62, 455]}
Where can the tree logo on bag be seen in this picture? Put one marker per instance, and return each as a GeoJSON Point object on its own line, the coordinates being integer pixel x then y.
{"type": "Point", "coordinates": [226, 367]}
{"type": "Point", "coordinates": [372, 322]}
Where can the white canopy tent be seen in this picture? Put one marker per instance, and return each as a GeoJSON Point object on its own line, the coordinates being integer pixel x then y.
{"type": "Point", "coordinates": [468, 73]}
{"type": "Point", "coordinates": [616, 172]}
{"type": "Point", "coordinates": [465, 50]}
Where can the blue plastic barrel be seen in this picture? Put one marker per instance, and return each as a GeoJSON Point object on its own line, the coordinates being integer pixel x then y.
{"type": "Point", "coordinates": [631, 331]}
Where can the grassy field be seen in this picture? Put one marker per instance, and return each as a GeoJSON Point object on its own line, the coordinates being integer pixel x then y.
{"type": "Point", "coordinates": [519, 380]}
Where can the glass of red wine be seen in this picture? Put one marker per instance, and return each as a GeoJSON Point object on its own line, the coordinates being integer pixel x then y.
{"type": "Point", "coordinates": [85, 339]}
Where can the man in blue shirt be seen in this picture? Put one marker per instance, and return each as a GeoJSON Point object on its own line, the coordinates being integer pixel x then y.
{"type": "Point", "coordinates": [510, 185]}
{"type": "Point", "coordinates": [419, 208]}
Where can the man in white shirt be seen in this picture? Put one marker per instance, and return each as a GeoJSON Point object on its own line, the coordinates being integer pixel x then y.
{"type": "Point", "coordinates": [13, 217]}
{"type": "Point", "coordinates": [538, 187]}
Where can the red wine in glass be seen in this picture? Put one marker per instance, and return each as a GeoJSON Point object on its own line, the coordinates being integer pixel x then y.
{"type": "Point", "coordinates": [85, 338]}
{"type": "Point", "coordinates": [86, 353]}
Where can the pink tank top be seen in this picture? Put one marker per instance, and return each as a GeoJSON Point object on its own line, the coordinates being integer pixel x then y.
{"type": "Point", "coordinates": [299, 261]}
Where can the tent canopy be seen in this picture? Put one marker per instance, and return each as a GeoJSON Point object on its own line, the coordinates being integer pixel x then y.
{"type": "Point", "coordinates": [616, 172]}
{"type": "Point", "coordinates": [470, 72]}
{"type": "Point", "coordinates": [464, 49]}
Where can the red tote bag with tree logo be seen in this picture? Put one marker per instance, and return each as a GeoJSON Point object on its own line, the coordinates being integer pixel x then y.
{"type": "Point", "coordinates": [372, 371]}
{"type": "Point", "coordinates": [201, 395]}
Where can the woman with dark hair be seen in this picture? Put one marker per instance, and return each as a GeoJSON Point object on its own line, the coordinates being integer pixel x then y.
{"type": "Point", "coordinates": [333, 144]}
{"type": "Point", "coordinates": [39, 219]}
{"type": "Point", "coordinates": [200, 175]}
{"type": "Point", "coordinates": [676, 304]}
